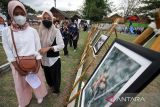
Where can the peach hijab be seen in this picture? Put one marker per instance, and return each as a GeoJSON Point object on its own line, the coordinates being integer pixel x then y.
{"type": "Point", "coordinates": [11, 6]}
{"type": "Point", "coordinates": [47, 36]}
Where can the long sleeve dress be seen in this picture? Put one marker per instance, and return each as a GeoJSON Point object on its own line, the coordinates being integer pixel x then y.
{"type": "Point", "coordinates": [27, 43]}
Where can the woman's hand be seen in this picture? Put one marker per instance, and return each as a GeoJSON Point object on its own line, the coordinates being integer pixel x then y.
{"type": "Point", "coordinates": [43, 51]}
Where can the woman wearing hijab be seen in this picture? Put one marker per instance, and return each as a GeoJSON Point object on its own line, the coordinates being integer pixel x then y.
{"type": "Point", "coordinates": [28, 44]}
{"type": "Point", "coordinates": [52, 43]}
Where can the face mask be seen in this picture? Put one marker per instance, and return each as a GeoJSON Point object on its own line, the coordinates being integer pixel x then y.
{"type": "Point", "coordinates": [47, 23]}
{"type": "Point", "coordinates": [20, 20]}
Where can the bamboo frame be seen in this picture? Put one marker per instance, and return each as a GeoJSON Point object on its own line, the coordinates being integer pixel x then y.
{"type": "Point", "coordinates": [145, 36]}
{"type": "Point", "coordinates": [141, 39]}
{"type": "Point", "coordinates": [86, 51]}
{"type": "Point", "coordinates": [86, 47]}
{"type": "Point", "coordinates": [156, 45]}
{"type": "Point", "coordinates": [116, 33]}
{"type": "Point", "coordinates": [83, 73]}
{"type": "Point", "coordinates": [113, 26]}
{"type": "Point", "coordinates": [74, 97]}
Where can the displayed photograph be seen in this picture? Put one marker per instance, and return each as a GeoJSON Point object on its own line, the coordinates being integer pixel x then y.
{"type": "Point", "coordinates": [95, 36]}
{"type": "Point", "coordinates": [118, 70]}
{"type": "Point", "coordinates": [100, 42]}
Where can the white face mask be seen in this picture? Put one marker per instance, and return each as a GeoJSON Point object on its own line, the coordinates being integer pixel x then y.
{"type": "Point", "coordinates": [20, 20]}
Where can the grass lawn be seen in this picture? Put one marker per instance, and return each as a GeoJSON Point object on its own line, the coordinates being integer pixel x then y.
{"type": "Point", "coordinates": [7, 93]}
{"type": "Point", "coordinates": [137, 24]}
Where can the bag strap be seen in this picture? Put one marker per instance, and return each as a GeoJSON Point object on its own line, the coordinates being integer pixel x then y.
{"type": "Point", "coordinates": [13, 40]}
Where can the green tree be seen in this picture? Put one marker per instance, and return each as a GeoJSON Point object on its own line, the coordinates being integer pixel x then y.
{"type": "Point", "coordinates": [95, 9]}
{"type": "Point", "coordinates": [4, 6]}
{"type": "Point", "coordinates": [149, 6]}
{"type": "Point", "coordinates": [30, 10]}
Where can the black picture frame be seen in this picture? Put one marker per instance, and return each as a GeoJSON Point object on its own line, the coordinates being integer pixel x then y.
{"type": "Point", "coordinates": [97, 46]}
{"type": "Point", "coordinates": [141, 75]}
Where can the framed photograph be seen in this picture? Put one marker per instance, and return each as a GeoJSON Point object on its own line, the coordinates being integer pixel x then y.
{"type": "Point", "coordinates": [125, 68]}
{"type": "Point", "coordinates": [99, 44]}
{"type": "Point", "coordinates": [95, 36]}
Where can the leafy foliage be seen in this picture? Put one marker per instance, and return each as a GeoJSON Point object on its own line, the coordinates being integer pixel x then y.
{"type": "Point", "coordinates": [149, 6]}
{"type": "Point", "coordinates": [4, 6]}
{"type": "Point", "coordinates": [95, 9]}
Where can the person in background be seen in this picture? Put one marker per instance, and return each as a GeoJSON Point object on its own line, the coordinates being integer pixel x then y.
{"type": "Point", "coordinates": [85, 28]}
{"type": "Point", "coordinates": [57, 24]}
{"type": "Point", "coordinates": [65, 35]}
{"type": "Point", "coordinates": [2, 25]}
{"type": "Point", "coordinates": [2, 22]}
{"type": "Point", "coordinates": [70, 36]}
{"type": "Point", "coordinates": [52, 43]}
{"type": "Point", "coordinates": [28, 43]}
{"type": "Point", "coordinates": [74, 34]}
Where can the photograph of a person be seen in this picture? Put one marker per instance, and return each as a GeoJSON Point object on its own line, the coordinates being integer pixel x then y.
{"type": "Point", "coordinates": [116, 72]}
{"type": "Point", "coordinates": [100, 42]}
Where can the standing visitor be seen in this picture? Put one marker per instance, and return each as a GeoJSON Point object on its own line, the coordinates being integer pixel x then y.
{"type": "Point", "coordinates": [2, 25]}
{"type": "Point", "coordinates": [52, 43]}
{"type": "Point", "coordinates": [22, 42]}
{"type": "Point", "coordinates": [85, 28]}
{"type": "Point", "coordinates": [65, 35]}
{"type": "Point", "coordinates": [74, 34]}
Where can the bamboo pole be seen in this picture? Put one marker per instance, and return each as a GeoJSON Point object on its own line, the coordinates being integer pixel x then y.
{"type": "Point", "coordinates": [144, 37]}
{"type": "Point", "coordinates": [113, 26]}
{"type": "Point", "coordinates": [156, 44]}
{"type": "Point", "coordinates": [83, 73]}
{"type": "Point", "coordinates": [74, 97]}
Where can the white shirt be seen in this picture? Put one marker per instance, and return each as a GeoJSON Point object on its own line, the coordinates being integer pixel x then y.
{"type": "Point", "coordinates": [27, 43]}
{"type": "Point", "coordinates": [49, 61]}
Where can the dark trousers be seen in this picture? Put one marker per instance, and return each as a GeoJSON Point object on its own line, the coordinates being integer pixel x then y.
{"type": "Point", "coordinates": [65, 47]}
{"type": "Point", "coordinates": [70, 40]}
{"type": "Point", "coordinates": [75, 42]}
{"type": "Point", "coordinates": [53, 75]}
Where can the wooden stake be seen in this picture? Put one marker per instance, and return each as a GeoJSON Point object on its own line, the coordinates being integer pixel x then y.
{"type": "Point", "coordinates": [156, 45]}
{"type": "Point", "coordinates": [74, 97]}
